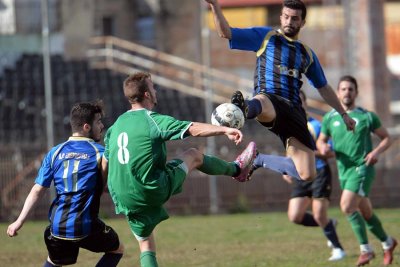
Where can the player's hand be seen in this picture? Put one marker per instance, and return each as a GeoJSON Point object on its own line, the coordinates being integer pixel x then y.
{"type": "Point", "coordinates": [324, 149]}
{"type": "Point", "coordinates": [287, 178]}
{"type": "Point", "coordinates": [234, 134]}
{"type": "Point", "coordinates": [13, 228]}
{"type": "Point", "coordinates": [350, 123]}
{"type": "Point", "coordinates": [370, 159]}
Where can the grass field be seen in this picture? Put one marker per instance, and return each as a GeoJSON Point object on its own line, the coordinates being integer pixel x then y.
{"type": "Point", "coordinates": [242, 240]}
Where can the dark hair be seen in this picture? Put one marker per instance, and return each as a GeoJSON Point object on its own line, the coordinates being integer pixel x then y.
{"type": "Point", "coordinates": [349, 78]}
{"type": "Point", "coordinates": [297, 5]}
{"type": "Point", "coordinates": [135, 86]}
{"type": "Point", "coordinates": [84, 112]}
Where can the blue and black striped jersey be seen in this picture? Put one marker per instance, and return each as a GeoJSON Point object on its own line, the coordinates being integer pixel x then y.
{"type": "Point", "coordinates": [74, 168]}
{"type": "Point", "coordinates": [281, 61]}
{"type": "Point", "coordinates": [314, 127]}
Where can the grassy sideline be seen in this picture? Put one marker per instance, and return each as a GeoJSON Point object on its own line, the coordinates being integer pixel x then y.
{"type": "Point", "coordinates": [242, 240]}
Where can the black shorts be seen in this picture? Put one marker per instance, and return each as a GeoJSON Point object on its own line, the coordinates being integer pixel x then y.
{"type": "Point", "coordinates": [65, 252]}
{"type": "Point", "coordinates": [321, 187]}
{"type": "Point", "coordinates": [290, 121]}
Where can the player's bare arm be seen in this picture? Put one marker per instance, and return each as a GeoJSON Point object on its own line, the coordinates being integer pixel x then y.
{"type": "Point", "coordinates": [330, 97]}
{"type": "Point", "coordinates": [104, 172]}
{"type": "Point", "coordinates": [327, 155]}
{"type": "Point", "coordinates": [221, 24]}
{"type": "Point", "coordinates": [322, 144]}
{"type": "Point", "coordinates": [287, 178]}
{"type": "Point", "coordinates": [372, 157]}
{"type": "Point", "coordinates": [36, 193]}
{"type": "Point", "coordinates": [204, 130]}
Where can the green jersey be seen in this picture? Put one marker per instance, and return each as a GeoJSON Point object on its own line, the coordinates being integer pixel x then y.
{"type": "Point", "coordinates": [350, 148]}
{"type": "Point", "coordinates": [136, 153]}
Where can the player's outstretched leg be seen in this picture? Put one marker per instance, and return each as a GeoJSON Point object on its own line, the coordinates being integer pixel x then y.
{"type": "Point", "coordinates": [245, 162]}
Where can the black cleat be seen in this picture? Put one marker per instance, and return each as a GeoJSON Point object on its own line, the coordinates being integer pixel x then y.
{"type": "Point", "coordinates": [238, 100]}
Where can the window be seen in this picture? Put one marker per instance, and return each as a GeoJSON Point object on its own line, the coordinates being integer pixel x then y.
{"type": "Point", "coordinates": [108, 26]}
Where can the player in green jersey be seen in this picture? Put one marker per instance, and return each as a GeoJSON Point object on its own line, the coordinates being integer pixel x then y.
{"type": "Point", "coordinates": [355, 158]}
{"type": "Point", "coordinates": [140, 179]}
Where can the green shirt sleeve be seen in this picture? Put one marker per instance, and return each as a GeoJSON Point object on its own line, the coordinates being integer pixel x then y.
{"type": "Point", "coordinates": [375, 121]}
{"type": "Point", "coordinates": [170, 128]}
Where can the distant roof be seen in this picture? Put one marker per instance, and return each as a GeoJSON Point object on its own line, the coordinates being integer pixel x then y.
{"type": "Point", "coordinates": [239, 3]}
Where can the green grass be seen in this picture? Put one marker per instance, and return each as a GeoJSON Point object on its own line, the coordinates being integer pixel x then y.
{"type": "Point", "coordinates": [240, 240]}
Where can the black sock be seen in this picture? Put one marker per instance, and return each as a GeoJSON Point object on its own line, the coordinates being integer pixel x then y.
{"type": "Point", "coordinates": [48, 264]}
{"type": "Point", "coordinates": [109, 260]}
{"type": "Point", "coordinates": [237, 171]}
{"type": "Point", "coordinates": [308, 220]}
{"type": "Point", "coordinates": [254, 108]}
{"type": "Point", "coordinates": [330, 233]}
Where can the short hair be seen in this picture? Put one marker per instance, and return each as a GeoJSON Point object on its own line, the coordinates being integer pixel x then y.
{"type": "Point", "coordinates": [349, 78]}
{"type": "Point", "coordinates": [85, 112]}
{"type": "Point", "coordinates": [135, 86]}
{"type": "Point", "coordinates": [297, 5]}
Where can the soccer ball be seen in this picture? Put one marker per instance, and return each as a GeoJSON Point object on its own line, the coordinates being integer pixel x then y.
{"type": "Point", "coordinates": [229, 115]}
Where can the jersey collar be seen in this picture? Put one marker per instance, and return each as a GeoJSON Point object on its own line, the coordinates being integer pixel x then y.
{"type": "Point", "coordinates": [288, 38]}
{"type": "Point", "coordinates": [80, 138]}
{"type": "Point", "coordinates": [138, 109]}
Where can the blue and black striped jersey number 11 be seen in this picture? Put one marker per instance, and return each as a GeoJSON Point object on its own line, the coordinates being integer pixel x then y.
{"type": "Point", "coordinates": [123, 152]}
{"type": "Point", "coordinates": [71, 168]}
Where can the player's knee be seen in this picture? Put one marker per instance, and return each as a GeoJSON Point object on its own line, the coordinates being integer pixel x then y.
{"type": "Point", "coordinates": [295, 218]}
{"type": "Point", "coordinates": [195, 156]}
{"type": "Point", "coordinates": [366, 214]}
{"type": "Point", "coordinates": [347, 209]}
{"type": "Point", "coordinates": [264, 101]}
{"type": "Point", "coordinates": [307, 175]}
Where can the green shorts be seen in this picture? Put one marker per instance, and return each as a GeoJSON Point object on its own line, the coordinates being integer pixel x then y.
{"type": "Point", "coordinates": [358, 179]}
{"type": "Point", "coordinates": [143, 223]}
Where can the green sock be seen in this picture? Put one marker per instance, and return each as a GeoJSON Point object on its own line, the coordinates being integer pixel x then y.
{"type": "Point", "coordinates": [375, 226]}
{"type": "Point", "coordinates": [358, 225]}
{"type": "Point", "coordinates": [216, 166]}
{"type": "Point", "coordinates": [148, 259]}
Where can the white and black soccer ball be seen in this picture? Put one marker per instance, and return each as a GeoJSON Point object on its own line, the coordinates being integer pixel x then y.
{"type": "Point", "coordinates": [229, 115]}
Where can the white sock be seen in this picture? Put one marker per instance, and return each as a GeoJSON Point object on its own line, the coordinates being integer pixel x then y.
{"type": "Point", "coordinates": [366, 248]}
{"type": "Point", "coordinates": [388, 243]}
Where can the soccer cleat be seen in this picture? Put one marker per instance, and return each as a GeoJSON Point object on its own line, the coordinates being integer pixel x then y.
{"type": "Point", "coordinates": [253, 167]}
{"type": "Point", "coordinates": [365, 258]}
{"type": "Point", "coordinates": [337, 254]}
{"type": "Point", "coordinates": [238, 100]}
{"type": "Point", "coordinates": [245, 161]}
{"type": "Point", "coordinates": [388, 253]}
